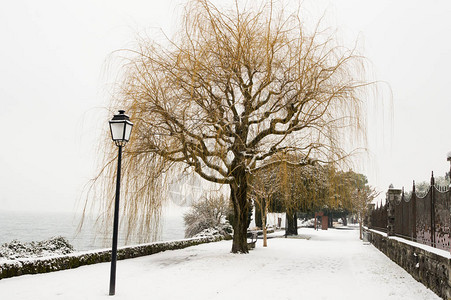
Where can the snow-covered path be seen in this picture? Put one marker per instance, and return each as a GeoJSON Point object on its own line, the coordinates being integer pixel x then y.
{"type": "Point", "coordinates": [331, 264]}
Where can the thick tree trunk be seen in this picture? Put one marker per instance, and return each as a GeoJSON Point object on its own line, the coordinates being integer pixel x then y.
{"type": "Point", "coordinates": [241, 207]}
{"type": "Point", "coordinates": [260, 213]}
{"type": "Point", "coordinates": [292, 224]}
{"type": "Point", "coordinates": [258, 216]}
{"type": "Point", "coordinates": [240, 234]}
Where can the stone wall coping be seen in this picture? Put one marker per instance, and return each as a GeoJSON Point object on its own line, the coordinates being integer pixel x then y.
{"type": "Point", "coordinates": [440, 252]}
{"type": "Point", "coordinates": [378, 232]}
{"type": "Point", "coordinates": [22, 266]}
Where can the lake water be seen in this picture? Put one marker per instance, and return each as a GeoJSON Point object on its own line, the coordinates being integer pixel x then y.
{"type": "Point", "coordinates": [27, 227]}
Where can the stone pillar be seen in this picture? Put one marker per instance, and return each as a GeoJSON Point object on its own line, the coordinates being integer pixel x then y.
{"type": "Point", "coordinates": [393, 195]}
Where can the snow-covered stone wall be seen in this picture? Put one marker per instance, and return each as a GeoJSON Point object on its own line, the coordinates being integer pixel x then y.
{"type": "Point", "coordinates": [22, 266]}
{"type": "Point", "coordinates": [428, 265]}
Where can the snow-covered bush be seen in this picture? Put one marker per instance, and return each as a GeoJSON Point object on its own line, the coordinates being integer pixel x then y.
{"type": "Point", "coordinates": [307, 223]}
{"type": "Point", "coordinates": [53, 246]}
{"type": "Point", "coordinates": [208, 214]}
{"type": "Point", "coordinates": [222, 229]}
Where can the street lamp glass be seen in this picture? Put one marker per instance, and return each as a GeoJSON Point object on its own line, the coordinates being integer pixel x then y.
{"type": "Point", "coordinates": [121, 128]}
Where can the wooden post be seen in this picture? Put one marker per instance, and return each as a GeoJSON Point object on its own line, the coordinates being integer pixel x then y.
{"type": "Point", "coordinates": [324, 222]}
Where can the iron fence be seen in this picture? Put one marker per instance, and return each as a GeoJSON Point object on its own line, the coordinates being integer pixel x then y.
{"type": "Point", "coordinates": [379, 218]}
{"type": "Point", "coordinates": [421, 217]}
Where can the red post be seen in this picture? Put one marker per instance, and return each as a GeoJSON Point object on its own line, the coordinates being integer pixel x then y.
{"type": "Point", "coordinates": [324, 222]}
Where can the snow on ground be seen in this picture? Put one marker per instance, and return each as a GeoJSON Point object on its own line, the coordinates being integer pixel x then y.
{"type": "Point", "coordinates": [332, 264]}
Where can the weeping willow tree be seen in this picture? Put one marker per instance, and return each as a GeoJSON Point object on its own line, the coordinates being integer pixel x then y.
{"type": "Point", "coordinates": [235, 87]}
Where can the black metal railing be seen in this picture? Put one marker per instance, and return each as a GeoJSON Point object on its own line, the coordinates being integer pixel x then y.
{"type": "Point", "coordinates": [423, 217]}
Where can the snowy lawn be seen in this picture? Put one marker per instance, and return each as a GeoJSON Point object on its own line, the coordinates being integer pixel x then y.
{"type": "Point", "coordinates": [332, 264]}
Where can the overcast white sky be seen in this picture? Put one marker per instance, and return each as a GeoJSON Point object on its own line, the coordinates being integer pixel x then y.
{"type": "Point", "coordinates": [54, 87]}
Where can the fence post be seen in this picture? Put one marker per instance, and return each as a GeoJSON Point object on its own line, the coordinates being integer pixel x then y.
{"type": "Point", "coordinates": [401, 207]}
{"type": "Point", "coordinates": [413, 201]}
{"type": "Point", "coordinates": [433, 210]}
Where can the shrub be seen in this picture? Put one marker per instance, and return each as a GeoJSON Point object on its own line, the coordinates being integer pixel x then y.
{"type": "Point", "coordinates": [54, 246]}
{"type": "Point", "coordinates": [208, 214]}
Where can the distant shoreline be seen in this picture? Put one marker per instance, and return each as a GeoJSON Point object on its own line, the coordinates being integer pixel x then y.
{"type": "Point", "coordinates": [29, 226]}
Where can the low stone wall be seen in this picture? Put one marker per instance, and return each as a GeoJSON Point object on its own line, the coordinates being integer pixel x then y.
{"type": "Point", "coordinates": [428, 265]}
{"type": "Point", "coordinates": [24, 266]}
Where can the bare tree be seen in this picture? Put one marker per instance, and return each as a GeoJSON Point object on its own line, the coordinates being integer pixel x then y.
{"type": "Point", "coordinates": [234, 88]}
{"type": "Point", "coordinates": [263, 185]}
{"type": "Point", "coordinates": [209, 212]}
{"type": "Point", "coordinates": [361, 199]}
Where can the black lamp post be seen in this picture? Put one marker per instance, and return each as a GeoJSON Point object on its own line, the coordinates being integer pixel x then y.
{"type": "Point", "coordinates": [121, 128]}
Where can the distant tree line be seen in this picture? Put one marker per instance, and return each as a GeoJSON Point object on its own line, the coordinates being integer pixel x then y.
{"type": "Point", "coordinates": [296, 190]}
